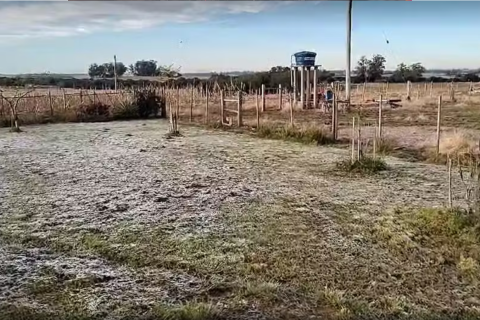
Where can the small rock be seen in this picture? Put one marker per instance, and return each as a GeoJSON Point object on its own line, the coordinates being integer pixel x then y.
{"type": "Point", "coordinates": [143, 150]}
{"type": "Point", "coordinates": [161, 199]}
{"type": "Point", "coordinates": [129, 135]}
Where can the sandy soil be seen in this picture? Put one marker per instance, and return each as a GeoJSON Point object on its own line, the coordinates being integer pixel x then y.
{"type": "Point", "coordinates": [65, 179]}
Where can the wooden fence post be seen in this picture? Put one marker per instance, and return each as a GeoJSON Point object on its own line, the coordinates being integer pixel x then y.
{"type": "Point", "coordinates": [258, 108]}
{"type": "Point", "coordinates": [450, 202]}
{"type": "Point", "coordinates": [177, 106]}
{"type": "Point", "coordinates": [353, 140]}
{"type": "Point", "coordinates": [292, 102]}
{"type": "Point", "coordinates": [239, 114]}
{"type": "Point", "coordinates": [363, 91]}
{"type": "Point", "coordinates": [380, 107]}
{"type": "Point", "coordinates": [439, 115]}
{"type": "Point", "coordinates": [191, 104]}
{"type": "Point", "coordinates": [206, 106]}
{"type": "Point", "coordinates": [334, 117]}
{"type": "Point", "coordinates": [222, 105]}
{"type": "Point", "coordinates": [431, 88]}
{"type": "Point", "coordinates": [279, 97]}
{"type": "Point", "coordinates": [409, 84]}
{"type": "Point", "coordinates": [64, 100]}
{"type": "Point", "coordinates": [263, 98]}
{"type": "Point", "coordinates": [50, 102]}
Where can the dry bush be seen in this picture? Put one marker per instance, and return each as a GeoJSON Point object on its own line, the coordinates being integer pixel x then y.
{"type": "Point", "coordinates": [459, 145]}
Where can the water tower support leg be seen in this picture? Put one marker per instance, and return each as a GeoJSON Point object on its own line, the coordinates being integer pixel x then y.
{"type": "Point", "coordinates": [315, 98]}
{"type": "Point", "coordinates": [295, 88]}
{"type": "Point", "coordinates": [302, 87]}
{"type": "Point", "coordinates": [308, 88]}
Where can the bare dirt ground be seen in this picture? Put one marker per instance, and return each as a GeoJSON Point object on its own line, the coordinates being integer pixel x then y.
{"type": "Point", "coordinates": [113, 219]}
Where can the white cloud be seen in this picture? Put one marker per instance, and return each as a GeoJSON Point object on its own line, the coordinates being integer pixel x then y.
{"type": "Point", "coordinates": [22, 20]}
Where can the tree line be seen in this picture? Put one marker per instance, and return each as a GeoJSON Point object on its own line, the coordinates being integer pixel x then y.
{"type": "Point", "coordinates": [101, 76]}
{"type": "Point", "coordinates": [144, 68]}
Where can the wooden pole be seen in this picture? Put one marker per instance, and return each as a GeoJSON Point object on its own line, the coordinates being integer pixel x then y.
{"type": "Point", "coordinates": [363, 91]}
{"type": "Point", "coordinates": [349, 51]}
{"type": "Point", "coordinates": [222, 105]}
{"type": "Point", "coordinates": [292, 102]}
{"type": "Point", "coordinates": [408, 90]}
{"type": "Point", "coordinates": [239, 114]}
{"type": "Point", "coordinates": [431, 88]}
{"type": "Point", "coordinates": [374, 145]}
{"type": "Point", "coordinates": [439, 115]}
{"type": "Point", "coordinates": [177, 100]}
{"type": "Point", "coordinates": [257, 108]}
{"type": "Point", "coordinates": [359, 145]}
{"type": "Point", "coordinates": [50, 102]}
{"type": "Point", "coordinates": [115, 71]}
{"type": "Point", "coordinates": [353, 140]}
{"type": "Point", "coordinates": [334, 118]}
{"type": "Point", "coordinates": [64, 100]}
{"type": "Point", "coordinates": [380, 107]}
{"type": "Point", "coordinates": [263, 98]}
{"type": "Point", "coordinates": [450, 202]}
{"type": "Point", "coordinates": [191, 104]}
{"type": "Point", "coordinates": [280, 97]}
{"type": "Point", "coordinates": [206, 106]}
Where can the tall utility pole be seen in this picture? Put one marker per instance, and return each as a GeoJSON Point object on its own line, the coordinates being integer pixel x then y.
{"type": "Point", "coordinates": [349, 51]}
{"type": "Point", "coordinates": [115, 70]}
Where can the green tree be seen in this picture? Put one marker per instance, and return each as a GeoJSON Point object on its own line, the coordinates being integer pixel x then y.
{"type": "Point", "coordinates": [106, 70]}
{"type": "Point", "coordinates": [144, 68]}
{"type": "Point", "coordinates": [376, 67]}
{"type": "Point", "coordinates": [361, 69]}
{"type": "Point", "coordinates": [403, 73]}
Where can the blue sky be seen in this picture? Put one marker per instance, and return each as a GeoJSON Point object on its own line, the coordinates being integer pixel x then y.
{"type": "Point", "coordinates": [199, 36]}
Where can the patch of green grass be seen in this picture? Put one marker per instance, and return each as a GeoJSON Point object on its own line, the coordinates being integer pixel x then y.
{"type": "Point", "coordinates": [449, 236]}
{"type": "Point", "coordinates": [366, 165]}
{"type": "Point", "coordinates": [287, 132]}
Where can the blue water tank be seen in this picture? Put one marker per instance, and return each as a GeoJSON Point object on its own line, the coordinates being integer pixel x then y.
{"type": "Point", "coordinates": [305, 58]}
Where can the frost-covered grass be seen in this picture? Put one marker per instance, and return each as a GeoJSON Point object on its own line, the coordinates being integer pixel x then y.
{"type": "Point", "coordinates": [115, 219]}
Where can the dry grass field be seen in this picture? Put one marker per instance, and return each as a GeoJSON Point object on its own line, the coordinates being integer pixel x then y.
{"type": "Point", "coordinates": [118, 220]}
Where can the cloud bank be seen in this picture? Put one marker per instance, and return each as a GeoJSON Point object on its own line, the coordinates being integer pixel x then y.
{"type": "Point", "coordinates": [26, 20]}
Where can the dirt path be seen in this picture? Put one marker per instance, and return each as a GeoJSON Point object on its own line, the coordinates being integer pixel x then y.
{"type": "Point", "coordinates": [60, 182]}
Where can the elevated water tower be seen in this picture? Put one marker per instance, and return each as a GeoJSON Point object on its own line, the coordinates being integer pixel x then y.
{"type": "Point", "coordinates": [302, 79]}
